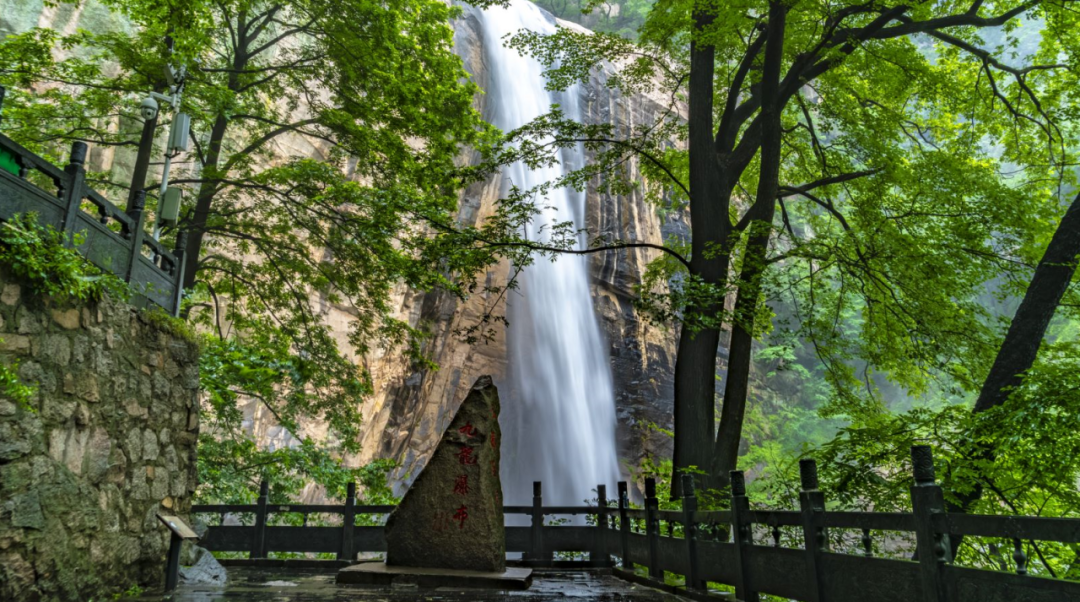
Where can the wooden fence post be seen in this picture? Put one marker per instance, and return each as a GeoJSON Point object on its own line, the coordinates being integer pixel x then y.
{"type": "Point", "coordinates": [652, 528]}
{"type": "Point", "coordinates": [624, 526]}
{"type": "Point", "coordinates": [538, 524]}
{"type": "Point", "coordinates": [258, 539]}
{"type": "Point", "coordinates": [599, 556]}
{"type": "Point", "coordinates": [689, 507]}
{"type": "Point", "coordinates": [742, 537]}
{"type": "Point", "coordinates": [73, 190]}
{"type": "Point", "coordinates": [933, 548]}
{"type": "Point", "coordinates": [348, 525]}
{"type": "Point", "coordinates": [815, 538]}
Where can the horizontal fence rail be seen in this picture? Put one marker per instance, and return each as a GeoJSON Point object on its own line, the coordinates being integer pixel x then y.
{"type": "Point", "coordinates": [111, 238]}
{"type": "Point", "coordinates": [714, 547]}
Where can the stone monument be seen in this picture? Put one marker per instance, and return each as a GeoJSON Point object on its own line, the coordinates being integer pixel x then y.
{"type": "Point", "coordinates": [449, 526]}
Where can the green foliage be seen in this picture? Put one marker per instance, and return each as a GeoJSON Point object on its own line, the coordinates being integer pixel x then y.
{"type": "Point", "coordinates": [920, 179]}
{"type": "Point", "coordinates": [36, 255]}
{"type": "Point", "coordinates": [376, 93]}
{"type": "Point", "coordinates": [12, 387]}
{"type": "Point", "coordinates": [132, 592]}
{"type": "Point", "coordinates": [231, 463]}
{"type": "Point", "coordinates": [620, 17]}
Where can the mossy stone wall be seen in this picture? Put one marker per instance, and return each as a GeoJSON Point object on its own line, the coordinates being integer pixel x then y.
{"type": "Point", "coordinates": [107, 442]}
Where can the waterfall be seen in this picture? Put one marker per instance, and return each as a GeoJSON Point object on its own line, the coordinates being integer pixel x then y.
{"type": "Point", "coordinates": [559, 419]}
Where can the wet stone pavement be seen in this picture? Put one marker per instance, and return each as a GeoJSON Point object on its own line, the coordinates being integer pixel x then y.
{"type": "Point", "coordinates": [298, 585]}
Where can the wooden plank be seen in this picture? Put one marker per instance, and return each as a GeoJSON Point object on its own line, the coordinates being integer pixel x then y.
{"type": "Point", "coordinates": [305, 508]}
{"type": "Point", "coordinates": [717, 561]}
{"type": "Point", "coordinates": [222, 508]}
{"type": "Point", "coordinates": [102, 247]}
{"type": "Point", "coordinates": [568, 539]}
{"type": "Point", "coordinates": [518, 539]}
{"type": "Point", "coordinates": [712, 517]}
{"type": "Point", "coordinates": [671, 516]}
{"type": "Point", "coordinates": [639, 548]}
{"type": "Point", "coordinates": [19, 196]}
{"type": "Point", "coordinates": [1065, 530]}
{"type": "Point", "coordinates": [849, 578]}
{"type": "Point", "coordinates": [673, 555]}
{"type": "Point", "coordinates": [517, 509]}
{"type": "Point", "coordinates": [374, 509]}
{"type": "Point", "coordinates": [783, 518]}
{"type": "Point", "coordinates": [969, 585]}
{"type": "Point", "coordinates": [877, 521]}
{"type": "Point", "coordinates": [573, 510]}
{"type": "Point", "coordinates": [228, 539]}
{"type": "Point", "coordinates": [151, 282]}
{"type": "Point", "coordinates": [369, 539]}
{"type": "Point", "coordinates": [777, 571]}
{"type": "Point", "coordinates": [39, 162]}
{"type": "Point", "coordinates": [302, 539]}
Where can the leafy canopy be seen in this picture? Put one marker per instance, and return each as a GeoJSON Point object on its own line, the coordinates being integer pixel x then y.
{"type": "Point", "coordinates": [324, 141]}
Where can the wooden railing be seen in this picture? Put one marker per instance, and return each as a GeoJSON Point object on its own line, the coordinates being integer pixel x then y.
{"type": "Point", "coordinates": [112, 239]}
{"type": "Point", "coordinates": [719, 546]}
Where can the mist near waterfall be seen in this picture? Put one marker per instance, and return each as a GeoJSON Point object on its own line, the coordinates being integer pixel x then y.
{"type": "Point", "coordinates": [558, 419]}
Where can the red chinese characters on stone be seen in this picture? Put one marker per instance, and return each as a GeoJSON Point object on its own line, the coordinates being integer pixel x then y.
{"type": "Point", "coordinates": [461, 484]}
{"type": "Point", "coordinates": [493, 445]}
{"type": "Point", "coordinates": [465, 456]}
{"type": "Point", "coordinates": [468, 430]}
{"type": "Point", "coordinates": [494, 470]}
{"type": "Point", "coordinates": [460, 516]}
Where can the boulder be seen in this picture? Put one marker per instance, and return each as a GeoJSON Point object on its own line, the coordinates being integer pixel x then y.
{"type": "Point", "coordinates": [206, 570]}
{"type": "Point", "coordinates": [452, 515]}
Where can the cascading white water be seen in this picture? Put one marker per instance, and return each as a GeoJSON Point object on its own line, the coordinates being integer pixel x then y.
{"type": "Point", "coordinates": [559, 419]}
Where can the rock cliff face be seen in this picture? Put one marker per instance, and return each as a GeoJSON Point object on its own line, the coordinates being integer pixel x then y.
{"type": "Point", "coordinates": [411, 407]}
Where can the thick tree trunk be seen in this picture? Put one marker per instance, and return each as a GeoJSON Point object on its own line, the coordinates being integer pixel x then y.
{"type": "Point", "coordinates": [197, 227]}
{"type": "Point", "coordinates": [209, 188]}
{"type": "Point", "coordinates": [1026, 332]}
{"type": "Point", "coordinates": [728, 437]}
{"type": "Point", "coordinates": [1048, 285]}
{"type": "Point", "coordinates": [695, 364]}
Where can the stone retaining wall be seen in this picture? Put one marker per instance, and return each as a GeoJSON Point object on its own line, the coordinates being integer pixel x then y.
{"type": "Point", "coordinates": [108, 442]}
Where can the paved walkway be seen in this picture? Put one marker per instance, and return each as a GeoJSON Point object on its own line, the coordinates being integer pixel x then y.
{"type": "Point", "coordinates": [296, 585]}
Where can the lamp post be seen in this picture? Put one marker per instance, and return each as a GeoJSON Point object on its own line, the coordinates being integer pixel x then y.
{"type": "Point", "coordinates": [178, 142]}
{"type": "Point", "coordinates": [169, 204]}
{"type": "Point", "coordinates": [168, 199]}
{"type": "Point", "coordinates": [146, 146]}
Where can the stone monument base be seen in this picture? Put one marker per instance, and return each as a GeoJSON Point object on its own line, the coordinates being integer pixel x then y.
{"type": "Point", "coordinates": [379, 573]}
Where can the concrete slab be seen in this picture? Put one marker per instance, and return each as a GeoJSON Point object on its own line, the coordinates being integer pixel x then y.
{"type": "Point", "coordinates": [379, 573]}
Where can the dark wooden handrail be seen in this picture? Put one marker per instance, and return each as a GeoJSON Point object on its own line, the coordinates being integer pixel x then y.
{"type": "Point", "coordinates": [730, 554]}
{"type": "Point", "coordinates": [114, 238]}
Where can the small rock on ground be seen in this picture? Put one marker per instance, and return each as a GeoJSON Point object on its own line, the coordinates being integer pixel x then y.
{"type": "Point", "coordinates": [206, 570]}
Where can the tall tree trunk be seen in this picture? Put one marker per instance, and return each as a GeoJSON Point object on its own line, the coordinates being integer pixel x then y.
{"type": "Point", "coordinates": [1026, 332]}
{"type": "Point", "coordinates": [207, 190]}
{"type": "Point", "coordinates": [1048, 285]}
{"type": "Point", "coordinates": [209, 187]}
{"type": "Point", "coordinates": [695, 363]}
{"type": "Point", "coordinates": [761, 215]}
